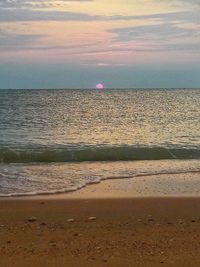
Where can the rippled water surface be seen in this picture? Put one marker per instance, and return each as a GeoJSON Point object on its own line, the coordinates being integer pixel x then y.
{"type": "Point", "coordinates": [40, 130]}
{"type": "Point", "coordinates": [109, 117]}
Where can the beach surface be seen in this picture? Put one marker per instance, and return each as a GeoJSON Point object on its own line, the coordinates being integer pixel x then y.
{"type": "Point", "coordinates": [100, 226]}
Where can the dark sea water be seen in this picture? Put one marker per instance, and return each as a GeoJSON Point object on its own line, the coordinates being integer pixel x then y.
{"type": "Point", "coordinates": [60, 140]}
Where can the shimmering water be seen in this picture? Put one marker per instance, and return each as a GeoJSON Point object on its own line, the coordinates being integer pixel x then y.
{"type": "Point", "coordinates": [67, 128]}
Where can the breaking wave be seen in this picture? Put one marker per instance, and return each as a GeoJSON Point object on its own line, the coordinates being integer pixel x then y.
{"type": "Point", "coordinates": [96, 153]}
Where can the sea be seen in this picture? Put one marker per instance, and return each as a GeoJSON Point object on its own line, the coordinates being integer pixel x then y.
{"type": "Point", "coordinates": [54, 141]}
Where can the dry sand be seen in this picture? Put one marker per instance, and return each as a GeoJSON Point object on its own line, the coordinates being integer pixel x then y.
{"type": "Point", "coordinates": [69, 230]}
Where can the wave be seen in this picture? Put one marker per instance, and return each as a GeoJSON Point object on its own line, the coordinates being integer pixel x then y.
{"type": "Point", "coordinates": [111, 153]}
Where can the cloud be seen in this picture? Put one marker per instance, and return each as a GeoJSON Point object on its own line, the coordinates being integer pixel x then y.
{"type": "Point", "coordinates": [42, 10]}
{"type": "Point", "coordinates": [31, 42]}
{"type": "Point", "coordinates": [178, 31]}
{"type": "Point", "coordinates": [30, 4]}
{"type": "Point", "coordinates": [152, 32]}
{"type": "Point", "coordinates": [10, 41]}
{"type": "Point", "coordinates": [19, 15]}
{"type": "Point", "coordinates": [40, 15]}
{"type": "Point", "coordinates": [166, 34]}
{"type": "Point", "coordinates": [190, 3]}
{"type": "Point", "coordinates": [20, 4]}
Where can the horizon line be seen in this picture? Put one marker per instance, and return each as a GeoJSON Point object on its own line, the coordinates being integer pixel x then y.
{"type": "Point", "coordinates": [106, 88]}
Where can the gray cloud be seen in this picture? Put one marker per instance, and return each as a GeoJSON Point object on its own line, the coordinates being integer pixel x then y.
{"type": "Point", "coordinates": [15, 15]}
{"type": "Point", "coordinates": [59, 3]}
{"type": "Point", "coordinates": [15, 42]}
{"type": "Point", "coordinates": [168, 33]}
{"type": "Point", "coordinates": [29, 42]}
{"type": "Point", "coordinates": [19, 15]}
{"type": "Point", "coordinates": [152, 32]}
{"type": "Point", "coordinates": [29, 10]}
{"type": "Point", "coordinates": [4, 4]}
{"type": "Point", "coordinates": [190, 3]}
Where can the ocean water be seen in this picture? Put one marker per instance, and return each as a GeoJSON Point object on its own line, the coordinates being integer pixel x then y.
{"type": "Point", "coordinates": [61, 140]}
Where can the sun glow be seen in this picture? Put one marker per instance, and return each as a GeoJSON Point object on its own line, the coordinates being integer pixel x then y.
{"type": "Point", "coordinates": [99, 86]}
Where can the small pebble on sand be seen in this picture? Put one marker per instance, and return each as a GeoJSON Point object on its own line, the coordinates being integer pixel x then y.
{"type": "Point", "coordinates": [52, 243]}
{"type": "Point", "coordinates": [92, 218]}
{"type": "Point", "coordinates": [180, 221]}
{"type": "Point", "coordinates": [70, 220]}
{"type": "Point", "coordinates": [42, 224]}
{"type": "Point", "coordinates": [76, 234]}
{"type": "Point", "coordinates": [32, 219]}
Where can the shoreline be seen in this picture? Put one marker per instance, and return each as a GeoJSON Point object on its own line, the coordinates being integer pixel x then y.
{"type": "Point", "coordinates": [176, 185]}
{"type": "Point", "coordinates": [74, 178]}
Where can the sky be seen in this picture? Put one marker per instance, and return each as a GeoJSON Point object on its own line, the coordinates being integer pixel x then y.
{"type": "Point", "coordinates": [80, 43]}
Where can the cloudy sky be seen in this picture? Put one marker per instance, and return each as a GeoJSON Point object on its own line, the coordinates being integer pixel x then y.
{"type": "Point", "coordinates": [121, 43]}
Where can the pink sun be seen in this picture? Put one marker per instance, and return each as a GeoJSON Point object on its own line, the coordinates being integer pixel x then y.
{"type": "Point", "coordinates": [99, 86]}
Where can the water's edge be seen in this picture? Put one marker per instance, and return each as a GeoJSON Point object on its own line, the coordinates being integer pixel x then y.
{"type": "Point", "coordinates": [99, 180]}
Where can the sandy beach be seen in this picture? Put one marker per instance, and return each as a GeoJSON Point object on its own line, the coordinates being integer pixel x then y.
{"type": "Point", "coordinates": [99, 133]}
{"type": "Point", "coordinates": [72, 230]}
